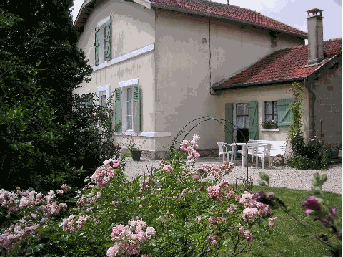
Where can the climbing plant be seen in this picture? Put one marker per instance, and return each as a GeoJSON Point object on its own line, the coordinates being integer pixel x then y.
{"type": "Point", "coordinates": [305, 155]}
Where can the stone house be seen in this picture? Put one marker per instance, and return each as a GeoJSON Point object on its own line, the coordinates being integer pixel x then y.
{"type": "Point", "coordinates": [169, 62]}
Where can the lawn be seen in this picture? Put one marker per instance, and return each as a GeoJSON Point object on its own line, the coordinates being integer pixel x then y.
{"type": "Point", "coordinates": [289, 237]}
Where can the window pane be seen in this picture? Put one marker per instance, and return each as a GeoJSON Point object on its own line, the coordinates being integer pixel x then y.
{"type": "Point", "coordinates": [246, 122]}
{"type": "Point", "coordinates": [240, 122]}
{"type": "Point", "coordinates": [246, 109]}
{"type": "Point", "coordinates": [275, 108]}
{"type": "Point", "coordinates": [242, 109]}
{"type": "Point", "coordinates": [275, 118]}
{"type": "Point", "coordinates": [268, 108]}
{"type": "Point", "coordinates": [129, 121]}
{"type": "Point", "coordinates": [103, 100]}
{"type": "Point", "coordinates": [269, 117]}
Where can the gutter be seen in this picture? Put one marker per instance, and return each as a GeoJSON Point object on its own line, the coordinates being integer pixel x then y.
{"type": "Point", "coordinates": [268, 82]}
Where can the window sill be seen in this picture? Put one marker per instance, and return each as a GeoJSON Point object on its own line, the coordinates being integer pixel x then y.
{"type": "Point", "coordinates": [145, 134]}
{"type": "Point", "coordinates": [270, 130]}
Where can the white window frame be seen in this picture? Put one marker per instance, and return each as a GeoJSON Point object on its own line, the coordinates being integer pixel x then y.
{"type": "Point", "coordinates": [264, 110]}
{"type": "Point", "coordinates": [124, 85]}
{"type": "Point", "coordinates": [101, 26]}
{"type": "Point", "coordinates": [103, 88]}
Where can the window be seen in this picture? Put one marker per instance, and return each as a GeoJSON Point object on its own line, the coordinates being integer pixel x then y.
{"type": "Point", "coordinates": [129, 115]}
{"type": "Point", "coordinates": [103, 39]}
{"type": "Point", "coordinates": [103, 94]}
{"type": "Point", "coordinates": [270, 111]}
{"type": "Point", "coordinates": [102, 98]}
{"type": "Point", "coordinates": [128, 107]}
{"type": "Point", "coordinates": [242, 116]}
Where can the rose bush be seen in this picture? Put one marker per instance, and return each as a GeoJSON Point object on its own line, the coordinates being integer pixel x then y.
{"type": "Point", "coordinates": [176, 210]}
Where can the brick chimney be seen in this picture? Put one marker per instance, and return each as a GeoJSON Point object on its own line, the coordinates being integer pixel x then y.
{"type": "Point", "coordinates": [315, 36]}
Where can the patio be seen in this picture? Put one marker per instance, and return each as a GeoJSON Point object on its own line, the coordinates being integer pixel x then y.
{"type": "Point", "coordinates": [283, 176]}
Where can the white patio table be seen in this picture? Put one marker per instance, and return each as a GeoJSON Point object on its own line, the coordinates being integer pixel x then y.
{"type": "Point", "coordinates": [261, 143]}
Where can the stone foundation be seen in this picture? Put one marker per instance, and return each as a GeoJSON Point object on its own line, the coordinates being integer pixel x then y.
{"type": "Point", "coordinates": [163, 155]}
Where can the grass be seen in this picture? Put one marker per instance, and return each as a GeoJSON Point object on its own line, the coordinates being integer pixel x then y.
{"type": "Point", "coordinates": [289, 238]}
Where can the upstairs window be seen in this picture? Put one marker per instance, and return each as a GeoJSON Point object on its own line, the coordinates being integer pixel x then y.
{"type": "Point", "coordinates": [103, 40]}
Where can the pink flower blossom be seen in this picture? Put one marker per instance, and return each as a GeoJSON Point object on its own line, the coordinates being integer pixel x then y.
{"type": "Point", "coordinates": [271, 221]}
{"type": "Point", "coordinates": [249, 214]}
{"type": "Point", "coordinates": [167, 168]}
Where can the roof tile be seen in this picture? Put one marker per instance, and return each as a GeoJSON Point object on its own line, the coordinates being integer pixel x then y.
{"type": "Point", "coordinates": [231, 12]}
{"type": "Point", "coordinates": [285, 64]}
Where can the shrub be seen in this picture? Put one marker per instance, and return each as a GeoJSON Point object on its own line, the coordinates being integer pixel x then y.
{"type": "Point", "coordinates": [173, 211]}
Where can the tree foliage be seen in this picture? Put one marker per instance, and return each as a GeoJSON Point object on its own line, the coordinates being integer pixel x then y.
{"type": "Point", "coordinates": [44, 140]}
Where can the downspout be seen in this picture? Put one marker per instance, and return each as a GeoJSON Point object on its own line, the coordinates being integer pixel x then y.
{"type": "Point", "coordinates": [209, 60]}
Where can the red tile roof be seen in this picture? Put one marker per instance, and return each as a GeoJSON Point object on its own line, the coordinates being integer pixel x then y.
{"type": "Point", "coordinates": [283, 65]}
{"type": "Point", "coordinates": [225, 11]}
{"type": "Point", "coordinates": [207, 8]}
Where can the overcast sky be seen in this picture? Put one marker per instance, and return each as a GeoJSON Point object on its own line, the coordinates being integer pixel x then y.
{"type": "Point", "coordinates": [290, 12]}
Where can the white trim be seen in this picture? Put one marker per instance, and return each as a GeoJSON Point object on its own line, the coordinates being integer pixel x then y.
{"type": "Point", "coordinates": [269, 130]}
{"type": "Point", "coordinates": [128, 82]}
{"type": "Point", "coordinates": [155, 134]}
{"type": "Point", "coordinates": [103, 21]}
{"type": "Point", "coordinates": [125, 57]}
{"type": "Point", "coordinates": [103, 88]}
{"type": "Point", "coordinates": [145, 134]}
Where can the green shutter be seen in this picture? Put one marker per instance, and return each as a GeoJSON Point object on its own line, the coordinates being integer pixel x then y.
{"type": "Point", "coordinates": [253, 120]}
{"type": "Point", "coordinates": [285, 115]}
{"type": "Point", "coordinates": [228, 130]}
{"type": "Point", "coordinates": [88, 100]}
{"type": "Point", "coordinates": [108, 40]}
{"type": "Point", "coordinates": [97, 45]}
{"type": "Point", "coordinates": [136, 108]}
{"type": "Point", "coordinates": [117, 107]}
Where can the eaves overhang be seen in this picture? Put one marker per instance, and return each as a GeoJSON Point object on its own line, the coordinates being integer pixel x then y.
{"type": "Point", "coordinates": [260, 83]}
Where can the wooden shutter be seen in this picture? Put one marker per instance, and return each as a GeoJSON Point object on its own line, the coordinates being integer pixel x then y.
{"type": "Point", "coordinates": [136, 100]}
{"type": "Point", "coordinates": [118, 117]}
{"type": "Point", "coordinates": [285, 115]}
{"type": "Point", "coordinates": [253, 120]}
{"type": "Point", "coordinates": [228, 130]}
{"type": "Point", "coordinates": [97, 45]}
{"type": "Point", "coordinates": [108, 40]}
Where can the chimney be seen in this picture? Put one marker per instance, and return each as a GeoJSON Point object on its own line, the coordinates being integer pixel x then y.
{"type": "Point", "coordinates": [315, 36]}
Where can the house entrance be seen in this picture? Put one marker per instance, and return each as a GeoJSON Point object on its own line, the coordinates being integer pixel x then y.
{"type": "Point", "coordinates": [242, 122]}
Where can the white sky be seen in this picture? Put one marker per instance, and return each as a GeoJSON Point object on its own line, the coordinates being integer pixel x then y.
{"type": "Point", "coordinates": [290, 12]}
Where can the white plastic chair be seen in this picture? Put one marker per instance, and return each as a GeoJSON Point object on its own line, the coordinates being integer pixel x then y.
{"type": "Point", "coordinates": [231, 152]}
{"type": "Point", "coordinates": [222, 149]}
{"type": "Point", "coordinates": [263, 152]}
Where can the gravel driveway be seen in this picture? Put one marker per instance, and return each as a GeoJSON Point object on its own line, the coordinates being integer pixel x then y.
{"type": "Point", "coordinates": [278, 176]}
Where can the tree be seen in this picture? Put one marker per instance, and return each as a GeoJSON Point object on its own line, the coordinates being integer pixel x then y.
{"type": "Point", "coordinates": [43, 139]}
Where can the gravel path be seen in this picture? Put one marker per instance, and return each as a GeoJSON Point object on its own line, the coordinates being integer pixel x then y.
{"type": "Point", "coordinates": [278, 176]}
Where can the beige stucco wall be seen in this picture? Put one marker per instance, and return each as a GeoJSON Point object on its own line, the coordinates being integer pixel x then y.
{"type": "Point", "coordinates": [261, 94]}
{"type": "Point", "coordinates": [133, 27]}
{"type": "Point", "coordinates": [235, 47]}
{"type": "Point", "coordinates": [328, 105]}
{"type": "Point", "coordinates": [183, 70]}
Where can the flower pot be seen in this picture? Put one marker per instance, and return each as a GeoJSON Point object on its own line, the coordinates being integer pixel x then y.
{"type": "Point", "coordinates": [136, 155]}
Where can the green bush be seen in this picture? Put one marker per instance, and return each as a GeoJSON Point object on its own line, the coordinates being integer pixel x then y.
{"type": "Point", "coordinates": [308, 155]}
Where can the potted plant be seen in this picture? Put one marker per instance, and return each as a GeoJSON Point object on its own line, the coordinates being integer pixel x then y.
{"type": "Point", "coordinates": [270, 124]}
{"type": "Point", "coordinates": [132, 146]}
